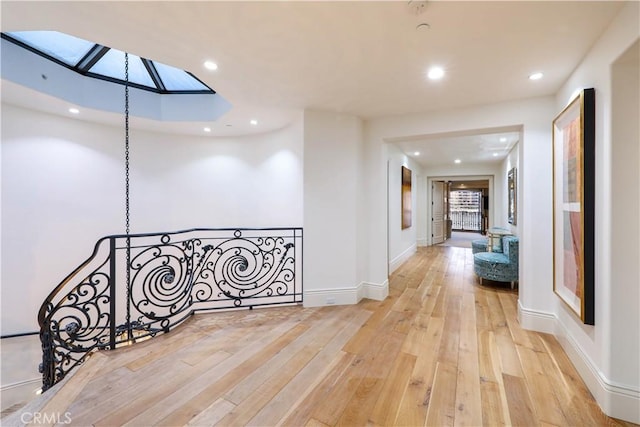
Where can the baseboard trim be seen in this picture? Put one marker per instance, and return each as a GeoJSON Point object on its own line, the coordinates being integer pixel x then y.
{"type": "Point", "coordinates": [375, 291]}
{"type": "Point", "coordinates": [615, 400]}
{"type": "Point", "coordinates": [19, 392]}
{"type": "Point", "coordinates": [405, 255]}
{"type": "Point", "coordinates": [534, 320]}
{"type": "Point", "coordinates": [7, 387]}
{"type": "Point", "coordinates": [346, 295]}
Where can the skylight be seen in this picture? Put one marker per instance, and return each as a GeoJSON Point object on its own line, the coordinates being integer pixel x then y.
{"type": "Point", "coordinates": [94, 60]}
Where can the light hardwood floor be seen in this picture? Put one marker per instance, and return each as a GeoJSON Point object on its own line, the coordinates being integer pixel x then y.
{"type": "Point", "coordinates": [440, 350]}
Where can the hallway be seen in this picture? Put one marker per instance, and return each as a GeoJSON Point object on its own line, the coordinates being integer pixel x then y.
{"type": "Point", "coordinates": [440, 350]}
{"type": "Point", "coordinates": [461, 239]}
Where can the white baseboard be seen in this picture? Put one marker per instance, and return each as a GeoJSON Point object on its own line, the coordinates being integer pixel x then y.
{"type": "Point", "coordinates": [405, 255]}
{"type": "Point", "coordinates": [423, 242]}
{"type": "Point", "coordinates": [376, 291]}
{"type": "Point", "coordinates": [346, 295]}
{"type": "Point", "coordinates": [537, 320]}
{"type": "Point", "coordinates": [19, 392]}
{"type": "Point", "coordinates": [615, 400]}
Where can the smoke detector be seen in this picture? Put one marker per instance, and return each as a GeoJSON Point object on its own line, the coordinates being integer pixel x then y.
{"type": "Point", "coordinates": [416, 7]}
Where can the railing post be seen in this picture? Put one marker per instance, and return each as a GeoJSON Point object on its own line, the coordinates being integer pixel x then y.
{"type": "Point", "coordinates": [301, 272]}
{"type": "Point", "coordinates": [112, 293]}
{"type": "Point", "coordinates": [47, 367]}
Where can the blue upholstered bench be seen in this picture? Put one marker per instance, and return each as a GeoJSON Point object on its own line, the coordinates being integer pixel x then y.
{"type": "Point", "coordinates": [480, 245]}
{"type": "Point", "coordinates": [501, 267]}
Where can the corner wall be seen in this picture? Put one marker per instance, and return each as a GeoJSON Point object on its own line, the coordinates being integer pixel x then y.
{"type": "Point", "coordinates": [334, 240]}
{"type": "Point", "coordinates": [606, 354]}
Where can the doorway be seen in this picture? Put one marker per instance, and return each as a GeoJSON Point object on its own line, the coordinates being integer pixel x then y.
{"type": "Point", "coordinates": [466, 210]}
{"type": "Point", "coordinates": [472, 218]}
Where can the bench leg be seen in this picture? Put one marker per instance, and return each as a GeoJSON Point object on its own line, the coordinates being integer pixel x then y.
{"type": "Point", "coordinates": [513, 284]}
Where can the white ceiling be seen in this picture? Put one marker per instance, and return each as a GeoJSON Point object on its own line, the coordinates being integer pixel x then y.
{"type": "Point", "coordinates": [363, 58]}
{"type": "Point", "coordinates": [470, 148]}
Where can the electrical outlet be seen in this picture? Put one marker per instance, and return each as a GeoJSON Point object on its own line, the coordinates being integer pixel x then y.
{"type": "Point", "coordinates": [330, 300]}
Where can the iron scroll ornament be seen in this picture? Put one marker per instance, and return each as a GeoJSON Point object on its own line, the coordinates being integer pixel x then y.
{"type": "Point", "coordinates": [174, 275]}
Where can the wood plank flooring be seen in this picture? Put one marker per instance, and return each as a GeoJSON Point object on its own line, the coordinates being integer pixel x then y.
{"type": "Point", "coordinates": [441, 350]}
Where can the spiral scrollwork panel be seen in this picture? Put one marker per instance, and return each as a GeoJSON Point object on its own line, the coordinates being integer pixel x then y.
{"type": "Point", "coordinates": [77, 324]}
{"type": "Point", "coordinates": [172, 275]}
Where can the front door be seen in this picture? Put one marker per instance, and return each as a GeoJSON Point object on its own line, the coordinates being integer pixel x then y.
{"type": "Point", "coordinates": [437, 212]}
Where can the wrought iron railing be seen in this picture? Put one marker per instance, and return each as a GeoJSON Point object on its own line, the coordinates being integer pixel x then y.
{"type": "Point", "coordinates": [466, 220]}
{"type": "Point", "coordinates": [172, 276]}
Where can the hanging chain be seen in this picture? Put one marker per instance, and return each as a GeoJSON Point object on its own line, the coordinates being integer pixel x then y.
{"type": "Point", "coordinates": [126, 167]}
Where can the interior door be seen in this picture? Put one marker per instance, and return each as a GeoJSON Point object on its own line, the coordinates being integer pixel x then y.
{"type": "Point", "coordinates": [437, 212]}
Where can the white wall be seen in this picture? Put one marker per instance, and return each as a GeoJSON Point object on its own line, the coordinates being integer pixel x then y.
{"type": "Point", "coordinates": [533, 116]}
{"type": "Point", "coordinates": [607, 354]}
{"type": "Point", "coordinates": [402, 242]}
{"type": "Point", "coordinates": [63, 189]}
{"type": "Point", "coordinates": [625, 227]}
{"type": "Point", "coordinates": [625, 212]}
{"type": "Point", "coordinates": [502, 210]}
{"type": "Point", "coordinates": [335, 238]}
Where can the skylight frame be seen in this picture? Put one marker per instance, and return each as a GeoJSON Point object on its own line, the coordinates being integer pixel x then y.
{"type": "Point", "coordinates": [88, 60]}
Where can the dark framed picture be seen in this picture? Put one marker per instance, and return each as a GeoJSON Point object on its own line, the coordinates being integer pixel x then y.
{"type": "Point", "coordinates": [574, 205]}
{"type": "Point", "coordinates": [406, 197]}
{"type": "Point", "coordinates": [512, 188]}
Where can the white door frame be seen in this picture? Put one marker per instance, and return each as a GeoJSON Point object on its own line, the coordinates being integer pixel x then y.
{"type": "Point", "coordinates": [443, 213]}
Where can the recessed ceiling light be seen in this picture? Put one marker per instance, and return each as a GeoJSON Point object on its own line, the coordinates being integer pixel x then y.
{"type": "Point", "coordinates": [435, 73]}
{"type": "Point", "coordinates": [457, 161]}
{"type": "Point", "coordinates": [417, 153]}
{"type": "Point", "coordinates": [503, 139]}
{"type": "Point", "coordinates": [210, 65]}
{"type": "Point", "coordinates": [536, 76]}
{"type": "Point", "coordinates": [74, 111]}
{"type": "Point", "coordinates": [495, 154]}
{"type": "Point", "coordinates": [253, 122]}
{"type": "Point", "coordinates": [207, 129]}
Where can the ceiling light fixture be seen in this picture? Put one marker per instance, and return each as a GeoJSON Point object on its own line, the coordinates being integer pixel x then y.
{"type": "Point", "coordinates": [74, 111]}
{"type": "Point", "coordinates": [435, 73]}
{"type": "Point", "coordinates": [456, 161]}
{"type": "Point", "coordinates": [536, 76]}
{"type": "Point", "coordinates": [417, 153]}
{"type": "Point", "coordinates": [495, 154]}
{"type": "Point", "coordinates": [210, 65]}
{"type": "Point", "coordinates": [503, 139]}
{"type": "Point", "coordinates": [207, 129]}
{"type": "Point", "coordinates": [253, 122]}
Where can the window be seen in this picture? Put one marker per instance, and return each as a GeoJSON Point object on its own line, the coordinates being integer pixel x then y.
{"type": "Point", "coordinates": [102, 62]}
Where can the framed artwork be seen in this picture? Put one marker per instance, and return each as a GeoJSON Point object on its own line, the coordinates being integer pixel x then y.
{"type": "Point", "coordinates": [512, 187]}
{"type": "Point", "coordinates": [406, 197]}
{"type": "Point", "coordinates": [574, 205]}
